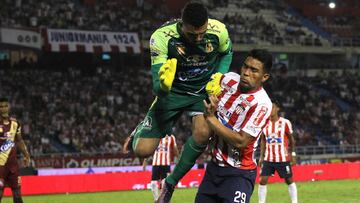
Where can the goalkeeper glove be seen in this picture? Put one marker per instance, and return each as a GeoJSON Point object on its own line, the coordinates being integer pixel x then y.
{"type": "Point", "coordinates": [213, 86]}
{"type": "Point", "coordinates": [167, 74]}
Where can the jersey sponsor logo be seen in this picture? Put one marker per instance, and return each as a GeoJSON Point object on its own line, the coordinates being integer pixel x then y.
{"type": "Point", "coordinates": [209, 47]}
{"type": "Point", "coordinates": [147, 123]}
{"type": "Point", "coordinates": [7, 145]}
{"type": "Point", "coordinates": [260, 115]}
{"type": "Point", "coordinates": [195, 58]}
{"type": "Point", "coordinates": [185, 75]}
{"type": "Point", "coordinates": [272, 139]}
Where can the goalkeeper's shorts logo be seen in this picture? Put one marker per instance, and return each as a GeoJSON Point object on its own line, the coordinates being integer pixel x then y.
{"type": "Point", "coordinates": [147, 123]}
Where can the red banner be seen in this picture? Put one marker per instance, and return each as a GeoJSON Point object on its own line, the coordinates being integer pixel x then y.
{"type": "Point", "coordinates": [139, 180]}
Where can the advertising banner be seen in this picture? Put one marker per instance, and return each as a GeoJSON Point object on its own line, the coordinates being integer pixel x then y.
{"type": "Point", "coordinates": [61, 40]}
{"type": "Point", "coordinates": [53, 184]}
{"type": "Point", "coordinates": [25, 38]}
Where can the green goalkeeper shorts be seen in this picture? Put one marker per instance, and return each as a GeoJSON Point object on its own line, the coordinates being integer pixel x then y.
{"type": "Point", "coordinates": [164, 112]}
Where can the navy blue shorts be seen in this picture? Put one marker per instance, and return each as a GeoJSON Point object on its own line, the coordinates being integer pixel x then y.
{"type": "Point", "coordinates": [283, 168]}
{"type": "Point", "coordinates": [159, 172]}
{"type": "Point", "coordinates": [226, 184]}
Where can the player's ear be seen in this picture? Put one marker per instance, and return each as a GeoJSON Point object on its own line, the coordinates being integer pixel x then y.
{"type": "Point", "coordinates": [265, 77]}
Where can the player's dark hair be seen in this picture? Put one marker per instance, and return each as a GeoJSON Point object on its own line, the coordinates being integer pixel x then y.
{"type": "Point", "coordinates": [263, 56]}
{"type": "Point", "coordinates": [195, 14]}
{"type": "Point", "coordinates": [275, 101]}
{"type": "Point", "coordinates": [4, 99]}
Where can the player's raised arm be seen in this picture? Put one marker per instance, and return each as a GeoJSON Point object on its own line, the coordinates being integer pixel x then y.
{"type": "Point", "coordinates": [262, 148]}
{"type": "Point", "coordinates": [21, 145]}
{"type": "Point", "coordinates": [292, 153]}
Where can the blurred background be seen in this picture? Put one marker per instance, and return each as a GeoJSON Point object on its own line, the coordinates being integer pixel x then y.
{"type": "Point", "coordinates": [77, 73]}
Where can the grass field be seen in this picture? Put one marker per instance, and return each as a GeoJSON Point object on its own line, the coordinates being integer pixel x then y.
{"type": "Point", "coordinates": [344, 191]}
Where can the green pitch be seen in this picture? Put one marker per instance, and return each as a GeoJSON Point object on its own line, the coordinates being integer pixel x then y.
{"type": "Point", "coordinates": [344, 191]}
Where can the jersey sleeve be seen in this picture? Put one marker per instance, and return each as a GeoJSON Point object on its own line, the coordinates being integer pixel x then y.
{"type": "Point", "coordinates": [224, 40]}
{"type": "Point", "coordinates": [159, 55]}
{"type": "Point", "coordinates": [230, 82]}
{"type": "Point", "coordinates": [288, 128]}
{"type": "Point", "coordinates": [158, 48]}
{"type": "Point", "coordinates": [256, 119]}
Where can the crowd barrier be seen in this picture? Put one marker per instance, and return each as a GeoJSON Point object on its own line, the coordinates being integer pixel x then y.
{"type": "Point", "coordinates": [55, 184]}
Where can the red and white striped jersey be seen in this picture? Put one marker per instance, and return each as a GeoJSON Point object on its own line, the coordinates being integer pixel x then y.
{"type": "Point", "coordinates": [276, 135]}
{"type": "Point", "coordinates": [163, 155]}
{"type": "Point", "coordinates": [248, 112]}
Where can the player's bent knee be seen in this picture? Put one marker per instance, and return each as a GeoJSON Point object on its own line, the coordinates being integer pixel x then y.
{"type": "Point", "coordinates": [143, 153]}
{"type": "Point", "coordinates": [146, 147]}
{"type": "Point", "coordinates": [201, 135]}
{"type": "Point", "coordinates": [263, 181]}
{"type": "Point", "coordinates": [289, 181]}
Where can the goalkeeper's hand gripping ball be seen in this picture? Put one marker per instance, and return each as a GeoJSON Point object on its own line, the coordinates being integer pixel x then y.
{"type": "Point", "coordinates": [213, 87]}
{"type": "Point", "coordinates": [167, 74]}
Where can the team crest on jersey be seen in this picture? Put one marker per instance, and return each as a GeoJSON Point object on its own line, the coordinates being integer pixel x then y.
{"type": "Point", "coordinates": [147, 123]}
{"type": "Point", "coordinates": [209, 47]}
{"type": "Point", "coordinates": [240, 108]}
{"type": "Point", "coordinates": [180, 48]}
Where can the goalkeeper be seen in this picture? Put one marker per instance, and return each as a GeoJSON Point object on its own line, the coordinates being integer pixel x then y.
{"type": "Point", "coordinates": [185, 53]}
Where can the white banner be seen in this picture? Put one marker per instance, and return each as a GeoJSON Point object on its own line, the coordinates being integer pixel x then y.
{"type": "Point", "coordinates": [88, 41]}
{"type": "Point", "coordinates": [20, 37]}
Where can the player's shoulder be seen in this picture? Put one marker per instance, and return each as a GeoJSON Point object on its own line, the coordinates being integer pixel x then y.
{"type": "Point", "coordinates": [285, 120]}
{"type": "Point", "coordinates": [230, 81]}
{"type": "Point", "coordinates": [231, 76]}
{"type": "Point", "coordinates": [167, 31]}
{"type": "Point", "coordinates": [263, 98]}
{"type": "Point", "coordinates": [215, 26]}
{"type": "Point", "coordinates": [14, 120]}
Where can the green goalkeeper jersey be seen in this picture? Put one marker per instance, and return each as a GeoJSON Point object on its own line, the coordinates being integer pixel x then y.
{"type": "Point", "coordinates": [195, 62]}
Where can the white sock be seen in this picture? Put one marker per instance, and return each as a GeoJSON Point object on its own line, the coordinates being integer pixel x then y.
{"type": "Point", "coordinates": [262, 193]}
{"type": "Point", "coordinates": [154, 189]}
{"type": "Point", "coordinates": [293, 192]}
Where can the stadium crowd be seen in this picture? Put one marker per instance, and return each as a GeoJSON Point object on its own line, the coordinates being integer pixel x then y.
{"type": "Point", "coordinates": [74, 110]}
{"type": "Point", "coordinates": [277, 26]}
{"type": "Point", "coordinates": [94, 112]}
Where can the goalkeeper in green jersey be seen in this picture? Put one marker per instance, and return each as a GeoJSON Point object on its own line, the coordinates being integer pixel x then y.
{"type": "Point", "coordinates": [185, 53]}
